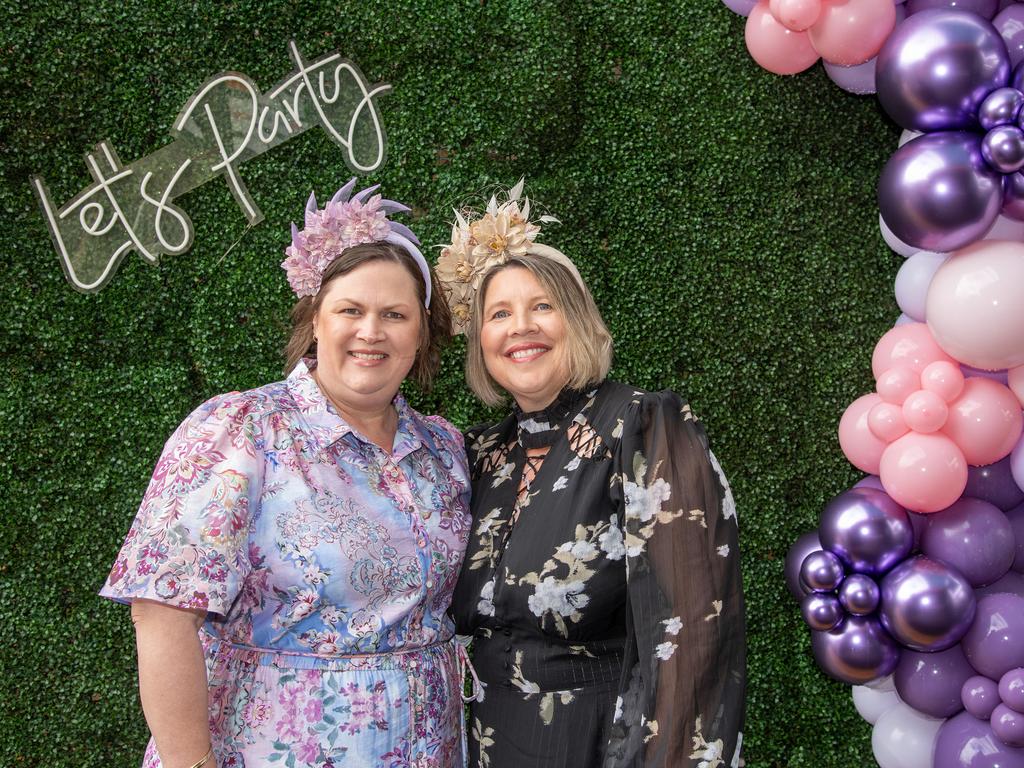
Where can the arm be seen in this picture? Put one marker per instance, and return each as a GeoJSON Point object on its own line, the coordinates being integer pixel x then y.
{"type": "Point", "coordinates": [172, 681]}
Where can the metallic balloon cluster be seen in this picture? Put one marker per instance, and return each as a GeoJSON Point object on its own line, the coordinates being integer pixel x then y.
{"type": "Point", "coordinates": [948, 74]}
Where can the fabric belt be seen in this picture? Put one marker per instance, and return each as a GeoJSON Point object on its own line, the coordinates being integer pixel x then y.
{"type": "Point", "coordinates": [405, 659]}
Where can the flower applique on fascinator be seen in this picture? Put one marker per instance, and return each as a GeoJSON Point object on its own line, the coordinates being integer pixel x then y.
{"type": "Point", "coordinates": [482, 241]}
{"type": "Point", "coordinates": [347, 219]}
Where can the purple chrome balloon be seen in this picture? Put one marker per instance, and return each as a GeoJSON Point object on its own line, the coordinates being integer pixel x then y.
{"type": "Point", "coordinates": [972, 536]}
{"type": "Point", "coordinates": [1008, 725]}
{"type": "Point", "coordinates": [994, 483]}
{"type": "Point", "coordinates": [801, 548]}
{"type": "Point", "coordinates": [1011, 689]}
{"type": "Point", "coordinates": [1013, 196]}
{"type": "Point", "coordinates": [1001, 107]}
{"type": "Point", "coordinates": [926, 605]}
{"type": "Point", "coordinates": [821, 571]}
{"type": "Point", "coordinates": [821, 612]}
{"type": "Point", "coordinates": [994, 644]}
{"type": "Point", "coordinates": [1009, 23]}
{"type": "Point", "coordinates": [867, 530]}
{"type": "Point", "coordinates": [1003, 148]}
{"type": "Point", "coordinates": [937, 192]}
{"type": "Point", "coordinates": [931, 682]}
{"type": "Point", "coordinates": [855, 652]}
{"type": "Point", "coordinates": [937, 67]}
{"type": "Point", "coordinates": [965, 741]}
{"type": "Point", "coordinates": [1016, 518]}
{"type": "Point", "coordinates": [986, 8]}
{"type": "Point", "coordinates": [859, 594]}
{"type": "Point", "coordinates": [980, 696]}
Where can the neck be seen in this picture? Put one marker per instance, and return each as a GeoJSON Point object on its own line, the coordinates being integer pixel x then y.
{"type": "Point", "coordinates": [377, 422]}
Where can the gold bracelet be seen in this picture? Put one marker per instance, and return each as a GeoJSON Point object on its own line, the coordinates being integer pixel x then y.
{"type": "Point", "coordinates": [204, 760]}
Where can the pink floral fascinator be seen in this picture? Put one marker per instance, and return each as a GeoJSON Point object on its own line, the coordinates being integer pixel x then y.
{"type": "Point", "coordinates": [482, 241]}
{"type": "Point", "coordinates": [345, 221]}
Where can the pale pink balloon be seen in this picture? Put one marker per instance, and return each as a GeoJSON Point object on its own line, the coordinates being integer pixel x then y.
{"type": "Point", "coordinates": [911, 344]}
{"type": "Point", "coordinates": [886, 421]}
{"type": "Point", "coordinates": [943, 378]}
{"type": "Point", "coordinates": [861, 447]}
{"type": "Point", "coordinates": [896, 384]}
{"type": "Point", "coordinates": [924, 473]}
{"type": "Point", "coordinates": [1015, 378]}
{"type": "Point", "coordinates": [796, 15]}
{"type": "Point", "coordinates": [925, 411]}
{"type": "Point", "coordinates": [985, 421]}
{"type": "Point", "coordinates": [975, 307]}
{"type": "Point", "coordinates": [850, 32]}
{"type": "Point", "coordinates": [774, 47]}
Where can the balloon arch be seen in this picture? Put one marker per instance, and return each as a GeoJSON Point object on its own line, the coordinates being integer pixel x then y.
{"type": "Point", "coordinates": [913, 583]}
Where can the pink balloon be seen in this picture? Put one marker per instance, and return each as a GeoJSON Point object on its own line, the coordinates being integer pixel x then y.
{"type": "Point", "coordinates": [924, 473]}
{"type": "Point", "coordinates": [910, 344]}
{"type": "Point", "coordinates": [896, 384]}
{"type": "Point", "coordinates": [886, 422]}
{"type": "Point", "coordinates": [796, 15]}
{"type": "Point", "coordinates": [943, 378]}
{"type": "Point", "coordinates": [925, 411]}
{"type": "Point", "coordinates": [774, 47]}
{"type": "Point", "coordinates": [1015, 378]}
{"type": "Point", "coordinates": [861, 447]}
{"type": "Point", "coordinates": [975, 310]}
{"type": "Point", "coordinates": [850, 32]}
{"type": "Point", "coordinates": [985, 421]}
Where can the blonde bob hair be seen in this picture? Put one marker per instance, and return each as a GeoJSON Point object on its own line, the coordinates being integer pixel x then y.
{"type": "Point", "coordinates": [587, 346]}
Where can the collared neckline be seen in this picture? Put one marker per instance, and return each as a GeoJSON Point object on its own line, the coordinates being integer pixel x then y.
{"type": "Point", "coordinates": [539, 429]}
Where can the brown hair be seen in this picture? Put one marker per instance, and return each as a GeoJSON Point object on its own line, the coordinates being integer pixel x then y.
{"type": "Point", "coordinates": [435, 325]}
{"type": "Point", "coordinates": [588, 345]}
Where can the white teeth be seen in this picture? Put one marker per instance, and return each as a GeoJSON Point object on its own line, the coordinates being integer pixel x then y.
{"type": "Point", "coordinates": [369, 356]}
{"type": "Point", "coordinates": [519, 354]}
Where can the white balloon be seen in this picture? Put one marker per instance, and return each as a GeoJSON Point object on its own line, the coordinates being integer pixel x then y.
{"type": "Point", "coordinates": [912, 282]}
{"type": "Point", "coordinates": [904, 738]}
{"type": "Point", "coordinates": [1006, 228]}
{"type": "Point", "coordinates": [871, 704]}
{"type": "Point", "coordinates": [903, 249]}
{"type": "Point", "coordinates": [908, 135]}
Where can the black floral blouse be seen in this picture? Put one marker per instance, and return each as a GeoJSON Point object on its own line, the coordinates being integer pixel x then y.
{"type": "Point", "coordinates": [601, 588]}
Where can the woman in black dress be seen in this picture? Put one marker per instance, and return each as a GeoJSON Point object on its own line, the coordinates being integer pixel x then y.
{"type": "Point", "coordinates": [601, 585]}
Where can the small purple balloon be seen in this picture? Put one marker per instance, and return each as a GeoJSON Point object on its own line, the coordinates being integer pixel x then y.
{"type": "Point", "coordinates": [1001, 107]}
{"type": "Point", "coordinates": [870, 481]}
{"type": "Point", "coordinates": [926, 605]}
{"type": "Point", "coordinates": [1009, 23]}
{"type": "Point", "coordinates": [867, 530]}
{"type": "Point", "coordinates": [985, 8]}
{"type": "Point", "coordinates": [970, 371]}
{"type": "Point", "coordinates": [1003, 148]}
{"type": "Point", "coordinates": [1008, 725]}
{"type": "Point", "coordinates": [858, 79]}
{"type": "Point", "coordinates": [994, 644]}
{"type": "Point", "coordinates": [821, 612]}
{"type": "Point", "coordinates": [936, 68]}
{"type": "Point", "coordinates": [801, 548]}
{"type": "Point", "coordinates": [821, 571]}
{"type": "Point", "coordinates": [1016, 518]}
{"type": "Point", "coordinates": [931, 682]}
{"type": "Point", "coordinates": [859, 594]}
{"type": "Point", "coordinates": [994, 483]}
{"type": "Point", "coordinates": [937, 192]}
{"type": "Point", "coordinates": [965, 741]}
{"type": "Point", "coordinates": [1011, 689]}
{"type": "Point", "coordinates": [974, 537]}
{"type": "Point", "coordinates": [855, 652]}
{"type": "Point", "coordinates": [1013, 196]}
{"type": "Point", "coordinates": [980, 696]}
{"type": "Point", "coordinates": [742, 7]}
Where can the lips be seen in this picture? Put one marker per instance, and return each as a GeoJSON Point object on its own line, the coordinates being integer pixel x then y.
{"type": "Point", "coordinates": [367, 355]}
{"type": "Point", "coordinates": [526, 352]}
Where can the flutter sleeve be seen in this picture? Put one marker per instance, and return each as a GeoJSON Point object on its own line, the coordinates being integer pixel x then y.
{"type": "Point", "coordinates": [188, 544]}
{"type": "Point", "coordinates": [682, 692]}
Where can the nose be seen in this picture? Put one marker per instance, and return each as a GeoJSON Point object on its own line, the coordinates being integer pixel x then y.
{"type": "Point", "coordinates": [523, 324]}
{"type": "Point", "coordinates": [370, 329]}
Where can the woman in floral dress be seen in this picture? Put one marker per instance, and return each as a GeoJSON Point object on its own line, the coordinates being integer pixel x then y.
{"type": "Point", "coordinates": [601, 584]}
{"type": "Point", "coordinates": [312, 531]}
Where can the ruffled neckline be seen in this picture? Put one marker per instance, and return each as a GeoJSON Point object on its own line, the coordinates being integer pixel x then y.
{"type": "Point", "coordinates": [540, 429]}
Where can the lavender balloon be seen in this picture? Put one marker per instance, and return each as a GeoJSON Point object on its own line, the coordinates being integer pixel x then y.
{"type": "Point", "coordinates": [937, 67]}
{"type": "Point", "coordinates": [821, 571]}
{"type": "Point", "coordinates": [858, 79]}
{"type": "Point", "coordinates": [867, 530]}
{"type": "Point", "coordinates": [994, 644]}
{"type": "Point", "coordinates": [980, 696]}
{"type": "Point", "coordinates": [821, 612]}
{"type": "Point", "coordinates": [801, 548]}
{"type": "Point", "coordinates": [1011, 582]}
{"type": "Point", "coordinates": [1009, 23]}
{"type": "Point", "coordinates": [938, 193]}
{"type": "Point", "coordinates": [931, 682]}
{"type": "Point", "coordinates": [972, 536]}
{"type": "Point", "coordinates": [994, 483]}
{"type": "Point", "coordinates": [855, 652]}
{"type": "Point", "coordinates": [859, 594]}
{"type": "Point", "coordinates": [1016, 518]}
{"type": "Point", "coordinates": [966, 742]}
{"type": "Point", "coordinates": [926, 605]}
{"type": "Point", "coordinates": [986, 8]}
{"type": "Point", "coordinates": [1011, 689]}
{"type": "Point", "coordinates": [742, 7]}
{"type": "Point", "coordinates": [1008, 725]}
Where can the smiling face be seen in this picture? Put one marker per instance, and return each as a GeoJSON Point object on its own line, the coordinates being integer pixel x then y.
{"type": "Point", "coordinates": [368, 333]}
{"type": "Point", "coordinates": [522, 337]}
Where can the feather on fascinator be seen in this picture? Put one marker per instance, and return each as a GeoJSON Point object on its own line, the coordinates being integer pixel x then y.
{"type": "Point", "coordinates": [347, 219]}
{"type": "Point", "coordinates": [483, 241]}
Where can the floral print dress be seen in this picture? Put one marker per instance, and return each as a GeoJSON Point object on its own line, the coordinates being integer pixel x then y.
{"type": "Point", "coordinates": [601, 588]}
{"type": "Point", "coordinates": [326, 566]}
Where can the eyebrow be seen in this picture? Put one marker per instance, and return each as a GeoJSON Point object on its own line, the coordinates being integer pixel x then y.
{"type": "Point", "coordinates": [361, 305]}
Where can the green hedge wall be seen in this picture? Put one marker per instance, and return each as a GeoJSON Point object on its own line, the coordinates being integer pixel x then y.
{"type": "Point", "coordinates": [724, 217]}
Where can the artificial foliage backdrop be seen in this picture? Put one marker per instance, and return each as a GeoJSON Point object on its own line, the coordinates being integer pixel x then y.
{"type": "Point", "coordinates": [724, 218]}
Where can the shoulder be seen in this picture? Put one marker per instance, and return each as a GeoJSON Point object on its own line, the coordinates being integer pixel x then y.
{"type": "Point", "coordinates": [444, 434]}
{"type": "Point", "coordinates": [643, 410]}
{"type": "Point", "coordinates": [236, 412]}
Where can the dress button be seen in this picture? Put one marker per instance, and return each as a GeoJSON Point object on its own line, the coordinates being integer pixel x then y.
{"type": "Point", "coordinates": [508, 632]}
{"type": "Point", "coordinates": [508, 648]}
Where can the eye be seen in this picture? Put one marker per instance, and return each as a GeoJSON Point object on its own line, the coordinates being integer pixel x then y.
{"type": "Point", "coordinates": [392, 315]}
{"type": "Point", "coordinates": [351, 311]}
{"type": "Point", "coordinates": [543, 306]}
{"type": "Point", "coordinates": [500, 314]}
